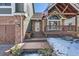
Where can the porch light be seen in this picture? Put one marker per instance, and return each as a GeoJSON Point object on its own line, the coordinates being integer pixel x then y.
{"type": "Point", "coordinates": [17, 23]}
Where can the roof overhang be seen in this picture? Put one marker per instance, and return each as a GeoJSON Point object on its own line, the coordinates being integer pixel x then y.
{"type": "Point", "coordinates": [73, 5]}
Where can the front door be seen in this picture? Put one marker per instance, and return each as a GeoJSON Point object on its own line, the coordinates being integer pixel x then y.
{"type": "Point", "coordinates": [37, 26]}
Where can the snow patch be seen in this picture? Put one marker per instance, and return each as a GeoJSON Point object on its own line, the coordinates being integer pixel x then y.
{"type": "Point", "coordinates": [63, 47]}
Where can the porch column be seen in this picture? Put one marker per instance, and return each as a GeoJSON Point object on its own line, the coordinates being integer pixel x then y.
{"type": "Point", "coordinates": [77, 23]}
{"type": "Point", "coordinates": [62, 24]}
{"type": "Point", "coordinates": [43, 24]}
{"type": "Point", "coordinates": [77, 17]}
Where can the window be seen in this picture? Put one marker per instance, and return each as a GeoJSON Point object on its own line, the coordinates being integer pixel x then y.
{"type": "Point", "coordinates": [19, 7]}
{"type": "Point", "coordinates": [54, 25]}
{"type": "Point", "coordinates": [54, 17]}
{"type": "Point", "coordinates": [54, 22]}
{"type": "Point", "coordinates": [5, 4]}
{"type": "Point", "coordinates": [5, 10]}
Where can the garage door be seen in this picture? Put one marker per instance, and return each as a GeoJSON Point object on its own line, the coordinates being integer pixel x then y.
{"type": "Point", "coordinates": [7, 34]}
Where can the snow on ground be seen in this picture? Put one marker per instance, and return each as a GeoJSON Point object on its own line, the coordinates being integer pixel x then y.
{"type": "Point", "coordinates": [32, 54]}
{"type": "Point", "coordinates": [64, 47]}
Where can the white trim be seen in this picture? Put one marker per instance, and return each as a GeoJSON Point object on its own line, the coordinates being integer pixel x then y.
{"type": "Point", "coordinates": [18, 13]}
{"type": "Point", "coordinates": [5, 7]}
{"type": "Point", "coordinates": [52, 6]}
{"type": "Point", "coordinates": [6, 14]}
{"type": "Point", "coordinates": [13, 7]}
{"type": "Point", "coordinates": [74, 6]}
{"type": "Point", "coordinates": [53, 19]}
{"type": "Point", "coordinates": [25, 7]}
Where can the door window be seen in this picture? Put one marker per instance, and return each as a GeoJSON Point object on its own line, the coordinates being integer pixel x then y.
{"type": "Point", "coordinates": [37, 26]}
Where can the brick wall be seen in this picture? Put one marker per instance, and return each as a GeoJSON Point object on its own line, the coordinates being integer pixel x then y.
{"type": "Point", "coordinates": [10, 29]}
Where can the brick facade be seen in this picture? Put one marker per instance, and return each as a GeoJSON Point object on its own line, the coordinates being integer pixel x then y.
{"type": "Point", "coordinates": [10, 29]}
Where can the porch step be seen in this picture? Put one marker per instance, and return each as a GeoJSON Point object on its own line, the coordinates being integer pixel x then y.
{"type": "Point", "coordinates": [35, 45]}
{"type": "Point", "coordinates": [35, 40]}
{"type": "Point", "coordinates": [37, 35]}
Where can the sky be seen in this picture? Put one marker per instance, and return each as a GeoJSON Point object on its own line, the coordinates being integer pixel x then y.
{"type": "Point", "coordinates": [40, 7]}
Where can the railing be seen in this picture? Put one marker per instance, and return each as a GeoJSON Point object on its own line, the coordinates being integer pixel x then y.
{"type": "Point", "coordinates": [69, 28]}
{"type": "Point", "coordinates": [60, 28]}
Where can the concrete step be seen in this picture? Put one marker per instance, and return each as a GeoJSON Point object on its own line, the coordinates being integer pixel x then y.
{"type": "Point", "coordinates": [36, 40]}
{"type": "Point", "coordinates": [35, 45]}
{"type": "Point", "coordinates": [37, 35]}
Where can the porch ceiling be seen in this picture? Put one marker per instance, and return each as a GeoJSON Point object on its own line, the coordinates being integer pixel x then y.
{"type": "Point", "coordinates": [65, 8]}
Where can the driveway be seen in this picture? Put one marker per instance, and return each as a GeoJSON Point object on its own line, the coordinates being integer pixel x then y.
{"type": "Point", "coordinates": [3, 48]}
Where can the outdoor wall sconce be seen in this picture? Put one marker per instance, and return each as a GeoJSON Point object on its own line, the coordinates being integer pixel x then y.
{"type": "Point", "coordinates": [18, 24]}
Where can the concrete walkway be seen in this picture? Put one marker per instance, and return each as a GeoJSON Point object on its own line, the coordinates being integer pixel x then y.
{"type": "Point", "coordinates": [3, 48]}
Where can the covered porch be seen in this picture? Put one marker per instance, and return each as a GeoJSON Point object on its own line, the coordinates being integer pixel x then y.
{"type": "Point", "coordinates": [61, 19]}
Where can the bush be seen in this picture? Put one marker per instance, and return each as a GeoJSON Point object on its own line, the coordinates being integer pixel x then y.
{"type": "Point", "coordinates": [16, 51]}
{"type": "Point", "coordinates": [45, 52]}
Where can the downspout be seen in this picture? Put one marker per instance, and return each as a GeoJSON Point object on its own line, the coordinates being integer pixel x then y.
{"type": "Point", "coordinates": [21, 29]}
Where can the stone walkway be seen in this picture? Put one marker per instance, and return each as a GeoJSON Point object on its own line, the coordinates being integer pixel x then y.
{"type": "Point", "coordinates": [3, 48]}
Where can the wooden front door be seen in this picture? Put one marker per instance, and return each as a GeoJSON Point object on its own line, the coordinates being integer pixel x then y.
{"type": "Point", "coordinates": [37, 26]}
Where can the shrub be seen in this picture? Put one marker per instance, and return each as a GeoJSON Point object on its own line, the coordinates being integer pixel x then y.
{"type": "Point", "coordinates": [16, 51]}
{"type": "Point", "coordinates": [45, 52]}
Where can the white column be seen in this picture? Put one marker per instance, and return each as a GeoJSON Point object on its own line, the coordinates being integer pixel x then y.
{"type": "Point", "coordinates": [77, 22]}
